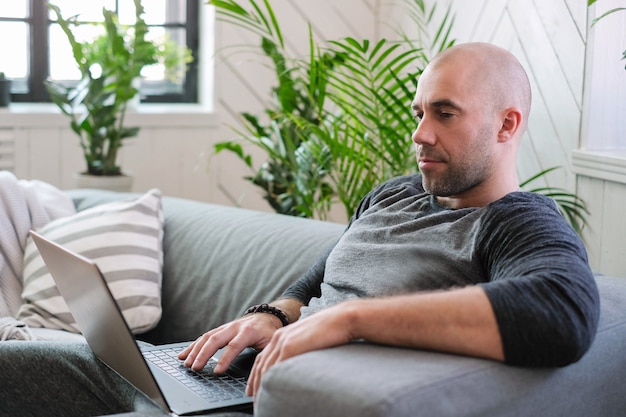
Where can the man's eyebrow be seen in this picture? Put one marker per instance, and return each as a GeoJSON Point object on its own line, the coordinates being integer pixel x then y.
{"type": "Point", "coordinates": [445, 103]}
{"type": "Point", "coordinates": [438, 104]}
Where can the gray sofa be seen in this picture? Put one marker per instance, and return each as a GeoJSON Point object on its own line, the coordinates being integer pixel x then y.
{"type": "Point", "coordinates": [220, 260]}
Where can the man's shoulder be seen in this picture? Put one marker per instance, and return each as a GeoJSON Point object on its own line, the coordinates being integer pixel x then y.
{"type": "Point", "coordinates": [526, 200]}
{"type": "Point", "coordinates": [526, 210]}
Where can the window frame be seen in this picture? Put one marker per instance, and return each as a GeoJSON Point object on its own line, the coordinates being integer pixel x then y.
{"type": "Point", "coordinates": [39, 56]}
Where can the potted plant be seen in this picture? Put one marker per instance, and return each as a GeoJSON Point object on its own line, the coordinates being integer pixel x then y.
{"type": "Point", "coordinates": [110, 66]}
{"type": "Point", "coordinates": [5, 90]}
{"type": "Point", "coordinates": [322, 132]}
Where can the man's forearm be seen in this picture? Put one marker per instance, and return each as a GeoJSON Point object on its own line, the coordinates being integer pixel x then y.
{"type": "Point", "coordinates": [457, 321]}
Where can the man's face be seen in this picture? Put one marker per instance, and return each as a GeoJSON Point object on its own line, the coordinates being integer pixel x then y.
{"type": "Point", "coordinates": [457, 132]}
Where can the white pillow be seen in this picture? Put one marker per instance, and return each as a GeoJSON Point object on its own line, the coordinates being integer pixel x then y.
{"type": "Point", "coordinates": [125, 239]}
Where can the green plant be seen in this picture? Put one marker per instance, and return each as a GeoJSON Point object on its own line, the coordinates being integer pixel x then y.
{"type": "Point", "coordinates": [339, 122]}
{"type": "Point", "coordinates": [605, 14]}
{"type": "Point", "coordinates": [109, 67]}
{"type": "Point", "coordinates": [322, 132]}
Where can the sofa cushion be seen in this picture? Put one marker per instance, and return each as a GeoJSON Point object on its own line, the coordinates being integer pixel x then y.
{"type": "Point", "coordinates": [125, 239]}
{"type": "Point", "coordinates": [219, 260]}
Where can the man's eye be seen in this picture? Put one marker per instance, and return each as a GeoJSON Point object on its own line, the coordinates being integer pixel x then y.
{"type": "Point", "coordinates": [445, 115]}
{"type": "Point", "coordinates": [418, 116]}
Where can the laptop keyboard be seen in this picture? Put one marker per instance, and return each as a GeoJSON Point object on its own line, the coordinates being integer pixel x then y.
{"type": "Point", "coordinates": [205, 383]}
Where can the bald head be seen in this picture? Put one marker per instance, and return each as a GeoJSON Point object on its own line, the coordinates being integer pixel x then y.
{"type": "Point", "coordinates": [492, 72]}
{"type": "Point", "coordinates": [472, 102]}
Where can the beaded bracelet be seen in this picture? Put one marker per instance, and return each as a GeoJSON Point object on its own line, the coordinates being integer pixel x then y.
{"type": "Point", "coordinates": [266, 308]}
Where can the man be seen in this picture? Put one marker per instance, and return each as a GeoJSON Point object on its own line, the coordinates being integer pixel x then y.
{"type": "Point", "coordinates": [455, 259]}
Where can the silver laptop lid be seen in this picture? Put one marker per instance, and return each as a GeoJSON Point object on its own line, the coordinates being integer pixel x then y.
{"type": "Point", "coordinates": [97, 315]}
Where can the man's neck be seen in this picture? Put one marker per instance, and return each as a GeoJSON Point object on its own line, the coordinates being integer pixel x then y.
{"type": "Point", "coordinates": [476, 197]}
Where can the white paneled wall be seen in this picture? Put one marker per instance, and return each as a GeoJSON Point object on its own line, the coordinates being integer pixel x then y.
{"type": "Point", "coordinates": [548, 38]}
{"type": "Point", "coordinates": [172, 150]}
{"type": "Point", "coordinates": [7, 151]}
{"type": "Point", "coordinates": [168, 153]}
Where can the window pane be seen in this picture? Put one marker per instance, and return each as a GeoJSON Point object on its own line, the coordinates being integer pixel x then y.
{"type": "Point", "coordinates": [14, 8]}
{"type": "Point", "coordinates": [52, 55]}
{"type": "Point", "coordinates": [126, 12]}
{"type": "Point", "coordinates": [89, 11]}
{"type": "Point", "coordinates": [62, 63]}
{"type": "Point", "coordinates": [169, 42]}
{"type": "Point", "coordinates": [156, 12]}
{"type": "Point", "coordinates": [15, 53]}
{"type": "Point", "coordinates": [64, 67]}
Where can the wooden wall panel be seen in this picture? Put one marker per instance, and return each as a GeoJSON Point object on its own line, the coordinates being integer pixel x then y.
{"type": "Point", "coordinates": [7, 149]}
{"type": "Point", "coordinates": [45, 145]}
{"type": "Point", "coordinates": [613, 246]}
{"type": "Point", "coordinates": [604, 234]}
{"type": "Point", "coordinates": [592, 191]}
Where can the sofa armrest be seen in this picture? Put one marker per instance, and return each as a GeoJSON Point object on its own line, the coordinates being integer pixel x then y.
{"type": "Point", "coordinates": [367, 381]}
{"type": "Point", "coordinates": [363, 379]}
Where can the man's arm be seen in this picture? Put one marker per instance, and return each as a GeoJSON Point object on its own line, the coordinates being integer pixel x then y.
{"type": "Point", "coordinates": [458, 321]}
{"type": "Point", "coordinates": [254, 330]}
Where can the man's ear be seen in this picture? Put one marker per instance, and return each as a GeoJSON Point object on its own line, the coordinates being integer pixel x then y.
{"type": "Point", "coordinates": [511, 122]}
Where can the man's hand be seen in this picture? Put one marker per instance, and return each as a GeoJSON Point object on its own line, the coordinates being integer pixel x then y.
{"type": "Point", "coordinates": [254, 330]}
{"type": "Point", "coordinates": [324, 329]}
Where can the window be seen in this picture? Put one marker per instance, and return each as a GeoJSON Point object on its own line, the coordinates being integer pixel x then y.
{"type": "Point", "coordinates": [38, 48]}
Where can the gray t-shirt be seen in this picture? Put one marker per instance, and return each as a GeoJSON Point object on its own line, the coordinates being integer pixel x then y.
{"type": "Point", "coordinates": [529, 261]}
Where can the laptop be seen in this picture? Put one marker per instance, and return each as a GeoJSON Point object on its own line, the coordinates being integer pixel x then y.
{"type": "Point", "coordinates": [155, 371]}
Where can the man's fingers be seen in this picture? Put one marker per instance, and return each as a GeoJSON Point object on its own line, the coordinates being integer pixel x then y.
{"type": "Point", "coordinates": [255, 374]}
{"type": "Point", "coordinates": [202, 349]}
{"type": "Point", "coordinates": [252, 330]}
{"type": "Point", "coordinates": [182, 355]}
{"type": "Point", "coordinates": [230, 352]}
{"type": "Point", "coordinates": [212, 343]}
{"type": "Point", "coordinates": [264, 360]}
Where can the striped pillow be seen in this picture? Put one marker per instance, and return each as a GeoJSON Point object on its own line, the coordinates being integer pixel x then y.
{"type": "Point", "coordinates": [125, 239]}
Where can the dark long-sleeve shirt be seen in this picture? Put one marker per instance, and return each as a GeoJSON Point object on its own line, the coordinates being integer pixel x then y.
{"type": "Point", "coordinates": [530, 262]}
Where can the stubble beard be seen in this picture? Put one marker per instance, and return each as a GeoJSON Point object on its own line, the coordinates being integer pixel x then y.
{"type": "Point", "coordinates": [459, 177]}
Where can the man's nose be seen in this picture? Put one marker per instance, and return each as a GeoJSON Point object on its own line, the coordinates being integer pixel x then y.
{"type": "Point", "coordinates": [424, 133]}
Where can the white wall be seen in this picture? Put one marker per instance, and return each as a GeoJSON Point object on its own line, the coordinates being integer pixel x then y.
{"type": "Point", "coordinates": [38, 144]}
{"type": "Point", "coordinates": [172, 150]}
{"type": "Point", "coordinates": [600, 164]}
